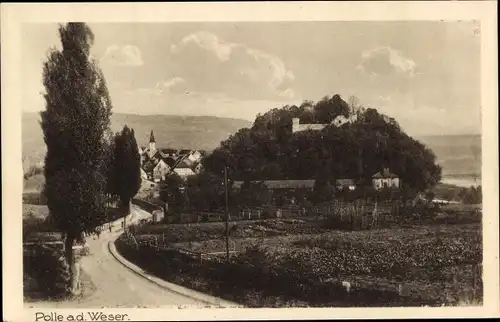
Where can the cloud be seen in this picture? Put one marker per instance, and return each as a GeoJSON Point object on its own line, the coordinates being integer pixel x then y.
{"type": "Point", "coordinates": [208, 42]}
{"type": "Point", "coordinates": [210, 64]}
{"type": "Point", "coordinates": [127, 55]}
{"type": "Point", "coordinates": [383, 61]}
{"type": "Point", "coordinates": [174, 85]}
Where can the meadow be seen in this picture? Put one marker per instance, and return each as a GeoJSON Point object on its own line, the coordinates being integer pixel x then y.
{"type": "Point", "coordinates": [303, 262]}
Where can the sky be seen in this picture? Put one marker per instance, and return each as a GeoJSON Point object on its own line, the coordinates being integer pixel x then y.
{"type": "Point", "coordinates": [425, 74]}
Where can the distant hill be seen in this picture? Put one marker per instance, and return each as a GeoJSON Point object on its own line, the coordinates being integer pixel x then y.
{"type": "Point", "coordinates": [458, 155]}
{"type": "Point", "coordinates": [171, 131]}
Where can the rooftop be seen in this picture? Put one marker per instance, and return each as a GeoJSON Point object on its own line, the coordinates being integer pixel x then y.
{"type": "Point", "coordinates": [281, 184]}
{"type": "Point", "coordinates": [384, 174]}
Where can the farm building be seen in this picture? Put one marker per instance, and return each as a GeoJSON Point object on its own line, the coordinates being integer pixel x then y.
{"type": "Point", "coordinates": [183, 169]}
{"type": "Point", "coordinates": [282, 184]}
{"type": "Point", "coordinates": [157, 163]}
{"type": "Point", "coordinates": [385, 179]}
{"type": "Point", "coordinates": [160, 171]}
{"type": "Point", "coordinates": [345, 184]}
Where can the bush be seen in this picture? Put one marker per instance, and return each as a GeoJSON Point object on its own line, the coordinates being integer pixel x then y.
{"type": "Point", "coordinates": [48, 268]}
{"type": "Point", "coordinates": [268, 214]}
{"type": "Point", "coordinates": [33, 171]}
{"type": "Point", "coordinates": [34, 198]}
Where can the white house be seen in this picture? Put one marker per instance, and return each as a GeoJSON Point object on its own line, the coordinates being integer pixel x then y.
{"type": "Point", "coordinates": [183, 170]}
{"type": "Point", "coordinates": [338, 121]}
{"type": "Point", "coordinates": [194, 156]}
{"type": "Point", "coordinates": [198, 168]}
{"type": "Point", "coordinates": [160, 171]}
{"type": "Point", "coordinates": [345, 184]}
{"type": "Point", "coordinates": [385, 179]}
{"type": "Point", "coordinates": [144, 175]}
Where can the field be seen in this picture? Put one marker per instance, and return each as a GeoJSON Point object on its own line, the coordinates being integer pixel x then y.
{"type": "Point", "coordinates": [415, 265]}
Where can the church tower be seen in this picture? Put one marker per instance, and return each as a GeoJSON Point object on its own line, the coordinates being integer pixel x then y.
{"type": "Point", "coordinates": [152, 145]}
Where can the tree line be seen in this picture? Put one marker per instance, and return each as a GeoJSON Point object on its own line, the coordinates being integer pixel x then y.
{"type": "Point", "coordinates": [269, 150]}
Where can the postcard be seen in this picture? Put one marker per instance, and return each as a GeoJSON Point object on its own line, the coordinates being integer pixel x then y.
{"type": "Point", "coordinates": [277, 160]}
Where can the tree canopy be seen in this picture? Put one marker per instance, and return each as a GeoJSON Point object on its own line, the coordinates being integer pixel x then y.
{"type": "Point", "coordinates": [76, 131]}
{"type": "Point", "coordinates": [270, 151]}
{"type": "Point", "coordinates": [125, 166]}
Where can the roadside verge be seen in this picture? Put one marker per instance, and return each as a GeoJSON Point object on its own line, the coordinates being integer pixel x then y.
{"type": "Point", "coordinates": [204, 298]}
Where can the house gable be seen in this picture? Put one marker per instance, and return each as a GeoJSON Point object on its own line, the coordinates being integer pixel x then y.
{"type": "Point", "coordinates": [385, 179]}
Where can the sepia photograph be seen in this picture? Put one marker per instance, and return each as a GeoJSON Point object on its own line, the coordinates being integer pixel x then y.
{"type": "Point", "coordinates": [251, 164]}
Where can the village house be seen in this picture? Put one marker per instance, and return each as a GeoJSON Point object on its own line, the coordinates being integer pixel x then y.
{"type": "Point", "coordinates": [288, 185]}
{"type": "Point", "coordinates": [183, 170]}
{"type": "Point", "coordinates": [169, 152]}
{"type": "Point", "coordinates": [194, 157]}
{"type": "Point", "coordinates": [198, 167]}
{"type": "Point", "coordinates": [157, 163]}
{"type": "Point", "coordinates": [160, 171]}
{"type": "Point", "coordinates": [385, 179]}
{"type": "Point", "coordinates": [345, 184]}
{"type": "Point", "coordinates": [170, 161]}
{"type": "Point", "coordinates": [185, 152]}
{"type": "Point", "coordinates": [144, 175]}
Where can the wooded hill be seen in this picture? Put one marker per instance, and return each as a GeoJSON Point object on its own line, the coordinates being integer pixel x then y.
{"type": "Point", "coordinates": [270, 151]}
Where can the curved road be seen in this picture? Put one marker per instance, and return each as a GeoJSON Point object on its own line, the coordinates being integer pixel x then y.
{"type": "Point", "coordinates": [117, 286]}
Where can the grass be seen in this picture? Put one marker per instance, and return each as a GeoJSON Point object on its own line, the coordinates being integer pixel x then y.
{"type": "Point", "coordinates": [37, 228]}
{"type": "Point", "coordinates": [34, 183]}
{"type": "Point", "coordinates": [418, 265]}
{"type": "Point", "coordinates": [32, 294]}
{"type": "Point", "coordinates": [35, 211]}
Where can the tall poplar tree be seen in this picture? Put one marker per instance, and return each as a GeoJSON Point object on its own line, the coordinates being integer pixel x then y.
{"type": "Point", "coordinates": [76, 131]}
{"type": "Point", "coordinates": [127, 166]}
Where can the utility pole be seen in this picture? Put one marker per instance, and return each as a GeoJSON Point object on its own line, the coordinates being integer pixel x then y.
{"type": "Point", "coordinates": [227, 214]}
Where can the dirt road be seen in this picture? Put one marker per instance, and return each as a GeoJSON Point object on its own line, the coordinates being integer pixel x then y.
{"type": "Point", "coordinates": [117, 286]}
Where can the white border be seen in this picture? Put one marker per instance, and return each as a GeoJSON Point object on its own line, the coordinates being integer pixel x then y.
{"type": "Point", "coordinates": [13, 15]}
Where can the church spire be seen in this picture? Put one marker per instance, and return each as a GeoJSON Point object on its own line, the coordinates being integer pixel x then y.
{"type": "Point", "coordinates": [152, 145]}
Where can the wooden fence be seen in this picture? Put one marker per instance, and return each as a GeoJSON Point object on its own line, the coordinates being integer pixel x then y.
{"type": "Point", "coordinates": [160, 245]}
{"type": "Point", "coordinates": [358, 213]}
